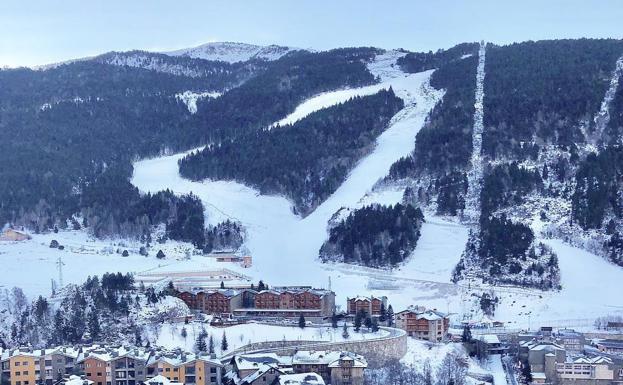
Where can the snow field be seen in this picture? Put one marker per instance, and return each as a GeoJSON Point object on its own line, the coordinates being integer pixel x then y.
{"type": "Point", "coordinates": [170, 335]}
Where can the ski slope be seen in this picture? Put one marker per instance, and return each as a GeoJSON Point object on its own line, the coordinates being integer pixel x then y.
{"type": "Point", "coordinates": [283, 242]}
{"type": "Point", "coordinates": [327, 99]}
{"type": "Point", "coordinates": [475, 174]}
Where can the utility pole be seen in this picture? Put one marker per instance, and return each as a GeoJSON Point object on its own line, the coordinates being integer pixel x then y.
{"type": "Point", "coordinates": [59, 265]}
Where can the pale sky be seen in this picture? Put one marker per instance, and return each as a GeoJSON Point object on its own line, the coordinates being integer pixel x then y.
{"type": "Point", "coordinates": [40, 32]}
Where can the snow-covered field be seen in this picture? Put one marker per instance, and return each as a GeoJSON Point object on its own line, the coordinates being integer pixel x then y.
{"type": "Point", "coordinates": [170, 335]}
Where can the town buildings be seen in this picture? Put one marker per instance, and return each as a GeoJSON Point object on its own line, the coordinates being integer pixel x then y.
{"type": "Point", "coordinates": [102, 365]}
{"type": "Point", "coordinates": [562, 358]}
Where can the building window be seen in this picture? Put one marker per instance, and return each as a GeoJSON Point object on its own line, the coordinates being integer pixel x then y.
{"type": "Point", "coordinates": [212, 379]}
{"type": "Point", "coordinates": [212, 370]}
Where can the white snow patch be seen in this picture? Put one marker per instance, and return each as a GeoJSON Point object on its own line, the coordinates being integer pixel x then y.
{"type": "Point", "coordinates": [191, 98]}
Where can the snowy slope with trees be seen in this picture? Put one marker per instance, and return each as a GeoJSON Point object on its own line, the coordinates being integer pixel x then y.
{"type": "Point", "coordinates": [233, 52]}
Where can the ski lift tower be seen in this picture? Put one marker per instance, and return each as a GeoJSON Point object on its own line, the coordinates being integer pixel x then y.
{"type": "Point", "coordinates": [59, 266]}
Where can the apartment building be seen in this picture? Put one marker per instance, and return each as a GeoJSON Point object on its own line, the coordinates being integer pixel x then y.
{"type": "Point", "coordinates": [370, 305]}
{"type": "Point", "coordinates": [115, 366]}
{"type": "Point", "coordinates": [428, 325]}
{"type": "Point", "coordinates": [187, 368]}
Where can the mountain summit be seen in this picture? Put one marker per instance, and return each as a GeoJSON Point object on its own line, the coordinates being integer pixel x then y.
{"type": "Point", "coordinates": [232, 52]}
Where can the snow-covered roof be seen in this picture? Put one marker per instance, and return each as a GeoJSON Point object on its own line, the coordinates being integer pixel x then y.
{"type": "Point", "coordinates": [261, 370]}
{"type": "Point", "coordinates": [112, 353]}
{"type": "Point", "coordinates": [77, 380]}
{"type": "Point", "coordinates": [301, 379]}
{"type": "Point", "coordinates": [255, 361]}
{"type": "Point", "coordinates": [365, 299]}
{"type": "Point", "coordinates": [489, 339]}
{"type": "Point", "coordinates": [330, 358]}
{"type": "Point", "coordinates": [161, 380]}
{"type": "Point", "coordinates": [591, 360]}
{"type": "Point", "coordinates": [178, 358]}
{"type": "Point", "coordinates": [545, 346]}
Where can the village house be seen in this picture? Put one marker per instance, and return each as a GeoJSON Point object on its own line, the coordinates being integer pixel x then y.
{"type": "Point", "coordinates": [428, 325]}
{"type": "Point", "coordinates": [335, 368]}
{"type": "Point", "coordinates": [304, 367]}
{"type": "Point", "coordinates": [187, 368]}
{"type": "Point", "coordinates": [56, 363]}
{"type": "Point", "coordinates": [115, 366]}
{"type": "Point", "coordinates": [371, 305]}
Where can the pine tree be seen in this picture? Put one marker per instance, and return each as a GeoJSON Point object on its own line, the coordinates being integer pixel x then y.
{"type": "Point", "coordinates": [345, 334]}
{"type": "Point", "coordinates": [93, 324]}
{"type": "Point", "coordinates": [200, 342]}
{"type": "Point", "coordinates": [211, 345]}
{"type": "Point", "coordinates": [224, 345]}
{"type": "Point", "coordinates": [358, 319]}
{"type": "Point", "coordinates": [390, 316]}
{"type": "Point", "coordinates": [374, 327]}
{"type": "Point", "coordinates": [334, 321]}
{"type": "Point", "coordinates": [383, 315]}
{"type": "Point", "coordinates": [467, 334]}
{"type": "Point", "coordinates": [138, 338]}
{"type": "Point", "coordinates": [261, 286]}
{"type": "Point", "coordinates": [222, 285]}
{"type": "Point", "coordinates": [367, 321]}
{"type": "Point", "coordinates": [302, 321]}
{"type": "Point", "coordinates": [184, 333]}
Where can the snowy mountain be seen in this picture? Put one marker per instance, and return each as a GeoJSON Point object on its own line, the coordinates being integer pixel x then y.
{"type": "Point", "coordinates": [233, 52]}
{"type": "Point", "coordinates": [513, 157]}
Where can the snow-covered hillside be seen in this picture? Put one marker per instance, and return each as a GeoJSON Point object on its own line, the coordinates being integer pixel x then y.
{"type": "Point", "coordinates": [233, 52]}
{"type": "Point", "coordinates": [280, 241]}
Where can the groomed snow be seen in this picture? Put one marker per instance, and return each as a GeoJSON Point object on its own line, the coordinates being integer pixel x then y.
{"type": "Point", "coordinates": [325, 100]}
